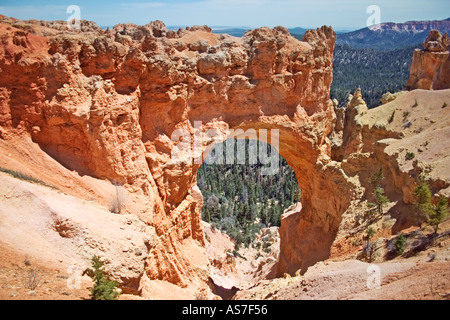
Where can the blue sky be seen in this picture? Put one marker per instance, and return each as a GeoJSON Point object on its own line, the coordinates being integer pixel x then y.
{"type": "Point", "coordinates": [346, 14]}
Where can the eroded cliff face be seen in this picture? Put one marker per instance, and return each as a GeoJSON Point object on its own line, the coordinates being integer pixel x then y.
{"type": "Point", "coordinates": [107, 103]}
{"type": "Point", "coordinates": [430, 67]}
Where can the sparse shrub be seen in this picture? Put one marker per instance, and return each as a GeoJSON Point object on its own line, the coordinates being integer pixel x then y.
{"type": "Point", "coordinates": [400, 243]}
{"type": "Point", "coordinates": [104, 288]}
{"type": "Point", "coordinates": [376, 178]}
{"type": "Point", "coordinates": [24, 177]}
{"type": "Point", "coordinates": [266, 244]}
{"type": "Point", "coordinates": [407, 125]}
{"type": "Point", "coordinates": [391, 118]}
{"type": "Point", "coordinates": [238, 255]}
{"type": "Point", "coordinates": [406, 114]}
{"type": "Point", "coordinates": [27, 262]}
{"type": "Point", "coordinates": [415, 104]}
{"type": "Point", "coordinates": [32, 279]}
{"type": "Point", "coordinates": [410, 156]}
{"type": "Point", "coordinates": [371, 205]}
{"type": "Point", "coordinates": [368, 248]}
{"type": "Point", "coordinates": [369, 234]}
{"type": "Point", "coordinates": [444, 105]}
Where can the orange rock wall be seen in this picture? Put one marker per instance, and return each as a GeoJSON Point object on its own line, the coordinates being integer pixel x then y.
{"type": "Point", "coordinates": [106, 104]}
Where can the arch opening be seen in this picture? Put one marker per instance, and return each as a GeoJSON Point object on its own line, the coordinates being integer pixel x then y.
{"type": "Point", "coordinates": [242, 207]}
{"type": "Point", "coordinates": [307, 230]}
{"type": "Point", "coordinates": [237, 197]}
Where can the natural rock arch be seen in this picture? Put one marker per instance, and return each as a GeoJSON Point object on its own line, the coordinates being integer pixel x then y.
{"type": "Point", "coordinates": [284, 86]}
{"type": "Point", "coordinates": [106, 104]}
{"type": "Point", "coordinates": [307, 232]}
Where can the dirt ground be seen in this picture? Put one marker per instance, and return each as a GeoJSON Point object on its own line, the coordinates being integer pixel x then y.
{"type": "Point", "coordinates": [23, 278]}
{"type": "Point", "coordinates": [421, 273]}
{"type": "Point", "coordinates": [418, 274]}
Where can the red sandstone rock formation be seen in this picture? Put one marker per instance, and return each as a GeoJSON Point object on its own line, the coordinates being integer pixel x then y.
{"type": "Point", "coordinates": [106, 104]}
{"type": "Point", "coordinates": [430, 68]}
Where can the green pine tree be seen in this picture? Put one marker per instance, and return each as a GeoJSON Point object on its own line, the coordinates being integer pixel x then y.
{"type": "Point", "coordinates": [104, 288]}
{"type": "Point", "coordinates": [438, 213]}
{"type": "Point", "coordinates": [376, 178]}
{"type": "Point", "coordinates": [422, 196]}
{"type": "Point", "coordinates": [380, 199]}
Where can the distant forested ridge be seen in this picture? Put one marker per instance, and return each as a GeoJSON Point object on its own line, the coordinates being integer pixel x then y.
{"type": "Point", "coordinates": [239, 200]}
{"type": "Point", "coordinates": [390, 36]}
{"type": "Point", "coordinates": [375, 71]}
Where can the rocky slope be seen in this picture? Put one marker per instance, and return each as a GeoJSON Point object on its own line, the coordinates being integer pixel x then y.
{"type": "Point", "coordinates": [95, 115]}
{"type": "Point", "coordinates": [402, 137]}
